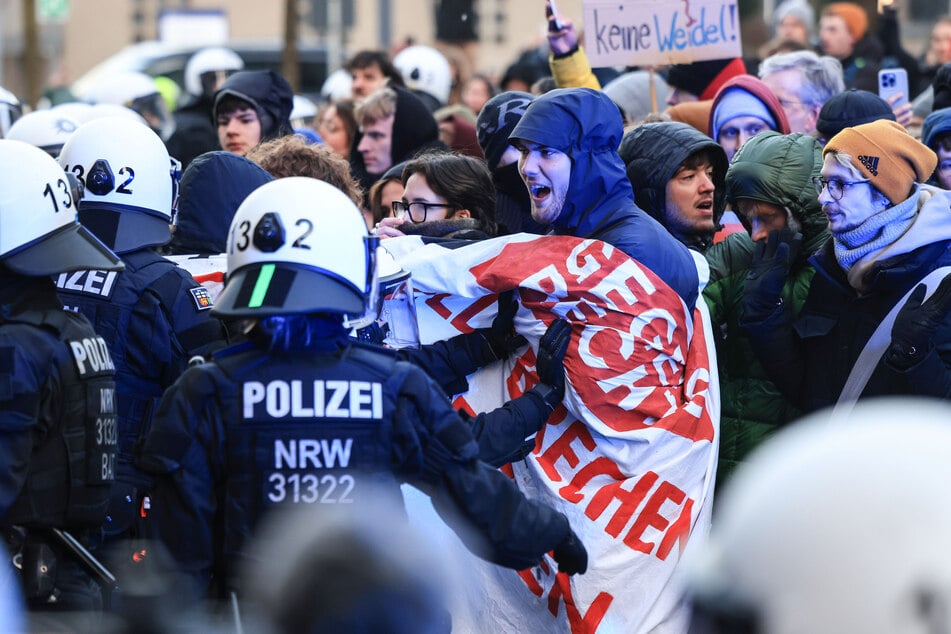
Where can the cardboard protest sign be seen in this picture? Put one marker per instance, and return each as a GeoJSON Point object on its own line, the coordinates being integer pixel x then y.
{"type": "Point", "coordinates": [630, 455]}
{"type": "Point", "coordinates": [658, 32]}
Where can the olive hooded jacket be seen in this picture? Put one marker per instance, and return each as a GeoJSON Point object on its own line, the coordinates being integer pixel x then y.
{"type": "Point", "coordinates": [778, 169]}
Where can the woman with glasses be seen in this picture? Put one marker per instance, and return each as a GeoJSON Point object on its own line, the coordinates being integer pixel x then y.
{"type": "Point", "coordinates": [445, 196]}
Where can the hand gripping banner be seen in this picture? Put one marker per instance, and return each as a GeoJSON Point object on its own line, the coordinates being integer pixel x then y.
{"type": "Point", "coordinates": [629, 457]}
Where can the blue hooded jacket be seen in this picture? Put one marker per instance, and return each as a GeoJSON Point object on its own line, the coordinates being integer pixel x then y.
{"type": "Point", "coordinates": [587, 126]}
{"type": "Point", "coordinates": [212, 188]}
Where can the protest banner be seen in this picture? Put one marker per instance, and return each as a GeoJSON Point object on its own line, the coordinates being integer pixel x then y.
{"type": "Point", "coordinates": [658, 32]}
{"type": "Point", "coordinates": [630, 455]}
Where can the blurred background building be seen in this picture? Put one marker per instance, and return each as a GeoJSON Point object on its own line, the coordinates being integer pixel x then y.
{"type": "Point", "coordinates": [53, 42]}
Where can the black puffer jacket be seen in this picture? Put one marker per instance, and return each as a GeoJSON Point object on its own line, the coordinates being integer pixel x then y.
{"type": "Point", "coordinates": [653, 152]}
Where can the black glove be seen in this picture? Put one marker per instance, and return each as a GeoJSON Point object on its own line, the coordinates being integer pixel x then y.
{"type": "Point", "coordinates": [550, 362]}
{"type": "Point", "coordinates": [501, 334]}
{"type": "Point", "coordinates": [571, 555]}
{"type": "Point", "coordinates": [916, 324]}
{"type": "Point", "coordinates": [772, 260]}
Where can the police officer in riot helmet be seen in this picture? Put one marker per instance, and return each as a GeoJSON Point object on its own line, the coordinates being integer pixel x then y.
{"type": "Point", "coordinates": [57, 395]}
{"type": "Point", "coordinates": [302, 413]}
{"type": "Point", "coordinates": [154, 316]}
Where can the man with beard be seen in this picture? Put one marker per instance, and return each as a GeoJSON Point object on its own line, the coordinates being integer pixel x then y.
{"type": "Point", "coordinates": [678, 174]}
{"type": "Point", "coordinates": [578, 185]}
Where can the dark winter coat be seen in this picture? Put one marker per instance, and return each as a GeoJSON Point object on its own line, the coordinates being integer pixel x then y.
{"type": "Point", "coordinates": [212, 188]}
{"type": "Point", "coordinates": [810, 356]}
{"type": "Point", "coordinates": [653, 153]}
{"type": "Point", "coordinates": [778, 169]}
{"type": "Point", "coordinates": [195, 131]}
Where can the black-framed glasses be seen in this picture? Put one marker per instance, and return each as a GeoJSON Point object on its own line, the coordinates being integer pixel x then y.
{"type": "Point", "coordinates": [416, 210]}
{"type": "Point", "coordinates": [836, 186]}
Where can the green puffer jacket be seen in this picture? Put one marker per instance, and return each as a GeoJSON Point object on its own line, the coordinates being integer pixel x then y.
{"type": "Point", "coordinates": [773, 168]}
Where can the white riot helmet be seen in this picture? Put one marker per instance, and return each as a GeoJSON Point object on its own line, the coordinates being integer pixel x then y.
{"type": "Point", "coordinates": [45, 129]}
{"type": "Point", "coordinates": [303, 112]}
{"type": "Point", "coordinates": [836, 526]}
{"type": "Point", "coordinates": [129, 179]}
{"type": "Point", "coordinates": [10, 110]}
{"type": "Point", "coordinates": [208, 67]}
{"type": "Point", "coordinates": [39, 233]}
{"type": "Point", "coordinates": [78, 111]}
{"type": "Point", "coordinates": [136, 91]}
{"type": "Point", "coordinates": [337, 86]}
{"type": "Point", "coordinates": [425, 69]}
{"type": "Point", "coordinates": [298, 245]}
{"type": "Point", "coordinates": [113, 110]}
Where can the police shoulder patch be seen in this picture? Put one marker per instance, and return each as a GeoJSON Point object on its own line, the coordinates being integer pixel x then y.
{"type": "Point", "coordinates": [202, 297]}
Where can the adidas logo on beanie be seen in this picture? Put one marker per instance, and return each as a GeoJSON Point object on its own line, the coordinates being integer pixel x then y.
{"type": "Point", "coordinates": [884, 153]}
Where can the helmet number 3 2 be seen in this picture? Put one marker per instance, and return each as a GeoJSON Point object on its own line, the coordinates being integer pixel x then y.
{"type": "Point", "coordinates": [100, 180]}
{"type": "Point", "coordinates": [268, 234]}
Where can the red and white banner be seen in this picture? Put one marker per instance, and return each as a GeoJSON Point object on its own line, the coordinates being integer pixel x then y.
{"type": "Point", "coordinates": [208, 270]}
{"type": "Point", "coordinates": [631, 454]}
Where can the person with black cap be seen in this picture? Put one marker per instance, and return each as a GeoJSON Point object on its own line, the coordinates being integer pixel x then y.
{"type": "Point", "coordinates": [497, 119]}
{"type": "Point", "coordinates": [302, 413]}
{"type": "Point", "coordinates": [252, 106]}
{"type": "Point", "coordinates": [57, 392]}
{"type": "Point", "coordinates": [153, 315]}
{"type": "Point", "coordinates": [850, 108]}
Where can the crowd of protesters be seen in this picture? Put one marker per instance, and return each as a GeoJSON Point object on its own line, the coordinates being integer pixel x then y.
{"type": "Point", "coordinates": [194, 307]}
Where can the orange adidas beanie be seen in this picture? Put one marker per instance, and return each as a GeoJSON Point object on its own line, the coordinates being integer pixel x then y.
{"type": "Point", "coordinates": [883, 152]}
{"type": "Point", "coordinates": [854, 16]}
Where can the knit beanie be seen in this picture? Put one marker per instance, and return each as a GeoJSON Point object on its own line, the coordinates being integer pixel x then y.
{"type": "Point", "coordinates": [884, 153]}
{"type": "Point", "coordinates": [937, 124]}
{"type": "Point", "coordinates": [496, 121]}
{"type": "Point", "coordinates": [632, 93]}
{"type": "Point", "coordinates": [799, 9]}
{"type": "Point", "coordinates": [704, 78]}
{"type": "Point", "coordinates": [739, 103]}
{"type": "Point", "coordinates": [854, 16]}
{"type": "Point", "coordinates": [851, 108]}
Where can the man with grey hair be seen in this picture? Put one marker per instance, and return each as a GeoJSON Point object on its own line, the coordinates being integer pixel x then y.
{"type": "Point", "coordinates": [802, 81]}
